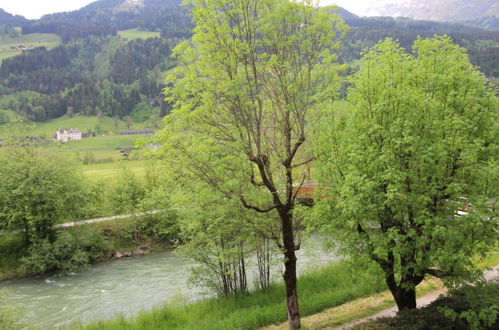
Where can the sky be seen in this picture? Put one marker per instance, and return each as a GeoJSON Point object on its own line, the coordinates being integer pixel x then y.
{"type": "Point", "coordinates": [36, 8]}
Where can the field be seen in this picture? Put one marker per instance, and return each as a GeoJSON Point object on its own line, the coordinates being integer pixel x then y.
{"type": "Point", "coordinates": [137, 34]}
{"type": "Point", "coordinates": [109, 172]}
{"type": "Point", "coordinates": [83, 123]}
{"type": "Point", "coordinates": [32, 40]}
{"type": "Point", "coordinates": [108, 141]}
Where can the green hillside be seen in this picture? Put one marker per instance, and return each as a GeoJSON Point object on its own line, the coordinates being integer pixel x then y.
{"type": "Point", "coordinates": [12, 46]}
{"type": "Point", "coordinates": [441, 10]}
{"type": "Point", "coordinates": [136, 33]}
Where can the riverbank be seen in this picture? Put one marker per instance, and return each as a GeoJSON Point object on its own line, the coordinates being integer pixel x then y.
{"type": "Point", "coordinates": [381, 304]}
{"type": "Point", "coordinates": [331, 296]}
{"type": "Point", "coordinates": [319, 288]}
{"type": "Point", "coordinates": [91, 243]}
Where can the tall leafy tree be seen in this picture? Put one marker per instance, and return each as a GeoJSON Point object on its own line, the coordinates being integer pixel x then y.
{"type": "Point", "coordinates": [413, 170]}
{"type": "Point", "coordinates": [38, 189]}
{"type": "Point", "coordinates": [250, 83]}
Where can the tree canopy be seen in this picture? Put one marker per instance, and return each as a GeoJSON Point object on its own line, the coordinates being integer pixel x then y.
{"type": "Point", "coordinates": [255, 76]}
{"type": "Point", "coordinates": [412, 171]}
{"type": "Point", "coordinates": [37, 190]}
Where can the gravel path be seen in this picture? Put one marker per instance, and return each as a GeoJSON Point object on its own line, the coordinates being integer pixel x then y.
{"type": "Point", "coordinates": [114, 217]}
{"type": "Point", "coordinates": [489, 275]}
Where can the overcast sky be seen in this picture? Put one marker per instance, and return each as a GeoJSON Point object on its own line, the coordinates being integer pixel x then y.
{"type": "Point", "coordinates": [37, 8]}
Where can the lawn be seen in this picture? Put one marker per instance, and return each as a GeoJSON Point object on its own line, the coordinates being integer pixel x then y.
{"type": "Point", "coordinates": [107, 141]}
{"type": "Point", "coordinates": [109, 172]}
{"type": "Point", "coordinates": [137, 34]}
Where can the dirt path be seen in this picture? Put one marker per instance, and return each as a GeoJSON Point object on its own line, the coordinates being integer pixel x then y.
{"type": "Point", "coordinates": [364, 309]}
{"type": "Point", "coordinates": [489, 275]}
{"type": "Point", "coordinates": [114, 217]}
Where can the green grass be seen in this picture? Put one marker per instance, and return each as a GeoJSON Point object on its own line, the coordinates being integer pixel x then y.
{"type": "Point", "coordinates": [137, 34]}
{"type": "Point", "coordinates": [323, 288]}
{"type": "Point", "coordinates": [108, 141]}
{"type": "Point", "coordinates": [83, 123]}
{"type": "Point", "coordinates": [32, 40]}
{"type": "Point", "coordinates": [109, 172]}
{"type": "Point", "coordinates": [99, 155]}
{"type": "Point", "coordinates": [9, 53]}
{"type": "Point", "coordinates": [10, 114]}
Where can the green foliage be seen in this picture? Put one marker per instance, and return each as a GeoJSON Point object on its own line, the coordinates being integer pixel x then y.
{"type": "Point", "coordinates": [321, 288]}
{"type": "Point", "coordinates": [11, 250]}
{"type": "Point", "coordinates": [73, 249]}
{"type": "Point", "coordinates": [38, 188]}
{"type": "Point", "coordinates": [132, 34]}
{"type": "Point", "coordinates": [476, 305]}
{"type": "Point", "coordinates": [253, 79]}
{"type": "Point", "coordinates": [10, 313]}
{"type": "Point", "coordinates": [4, 118]}
{"type": "Point", "coordinates": [128, 192]}
{"type": "Point", "coordinates": [469, 307]}
{"type": "Point", "coordinates": [419, 146]}
{"type": "Point", "coordinates": [142, 112]}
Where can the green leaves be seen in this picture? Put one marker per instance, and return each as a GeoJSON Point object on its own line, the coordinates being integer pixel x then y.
{"type": "Point", "coordinates": [417, 149]}
{"type": "Point", "coordinates": [37, 189]}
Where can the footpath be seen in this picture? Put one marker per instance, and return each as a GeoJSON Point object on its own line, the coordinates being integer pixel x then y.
{"type": "Point", "coordinates": [369, 308]}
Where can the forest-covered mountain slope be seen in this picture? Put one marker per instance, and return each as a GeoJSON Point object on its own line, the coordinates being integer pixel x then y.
{"type": "Point", "coordinates": [96, 72]}
{"type": "Point", "coordinates": [9, 19]}
{"type": "Point", "coordinates": [484, 13]}
{"type": "Point", "coordinates": [440, 10]}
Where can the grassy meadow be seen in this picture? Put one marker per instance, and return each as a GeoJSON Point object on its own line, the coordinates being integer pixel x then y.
{"type": "Point", "coordinates": [102, 141]}
{"type": "Point", "coordinates": [48, 40]}
{"type": "Point", "coordinates": [83, 123]}
{"type": "Point", "coordinates": [137, 33]}
{"type": "Point", "coordinates": [109, 172]}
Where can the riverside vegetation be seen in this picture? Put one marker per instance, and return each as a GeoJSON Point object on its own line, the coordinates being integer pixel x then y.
{"type": "Point", "coordinates": [253, 117]}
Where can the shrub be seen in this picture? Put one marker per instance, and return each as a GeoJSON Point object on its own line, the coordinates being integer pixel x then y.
{"type": "Point", "coordinates": [73, 249]}
{"type": "Point", "coordinates": [469, 307]}
{"type": "Point", "coordinates": [10, 314]}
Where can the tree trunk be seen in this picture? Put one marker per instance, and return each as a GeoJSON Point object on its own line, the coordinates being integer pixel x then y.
{"type": "Point", "coordinates": [405, 298]}
{"type": "Point", "coordinates": [290, 269]}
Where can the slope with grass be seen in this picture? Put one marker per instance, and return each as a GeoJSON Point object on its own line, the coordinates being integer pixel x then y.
{"type": "Point", "coordinates": [12, 46]}
{"type": "Point", "coordinates": [137, 33]}
{"type": "Point", "coordinates": [319, 289]}
{"type": "Point", "coordinates": [108, 173]}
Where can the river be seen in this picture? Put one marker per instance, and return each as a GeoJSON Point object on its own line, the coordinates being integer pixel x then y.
{"type": "Point", "coordinates": [125, 286]}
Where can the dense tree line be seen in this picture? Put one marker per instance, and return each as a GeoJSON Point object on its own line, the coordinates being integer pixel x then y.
{"type": "Point", "coordinates": [480, 43]}
{"type": "Point", "coordinates": [92, 76]}
{"type": "Point", "coordinates": [96, 72]}
{"type": "Point", "coordinates": [9, 19]}
{"type": "Point", "coordinates": [101, 18]}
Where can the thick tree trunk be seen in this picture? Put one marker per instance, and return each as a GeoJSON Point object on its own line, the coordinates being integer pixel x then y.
{"type": "Point", "coordinates": [405, 298]}
{"type": "Point", "coordinates": [290, 270]}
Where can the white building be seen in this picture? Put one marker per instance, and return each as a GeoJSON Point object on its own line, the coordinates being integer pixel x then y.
{"type": "Point", "coordinates": [66, 135]}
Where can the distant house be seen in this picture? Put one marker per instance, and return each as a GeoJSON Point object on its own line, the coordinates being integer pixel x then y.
{"type": "Point", "coordinates": [66, 135]}
{"type": "Point", "coordinates": [137, 131]}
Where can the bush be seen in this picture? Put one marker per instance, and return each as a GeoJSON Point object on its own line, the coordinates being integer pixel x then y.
{"type": "Point", "coordinates": [73, 249]}
{"type": "Point", "coordinates": [469, 307]}
{"type": "Point", "coordinates": [10, 314]}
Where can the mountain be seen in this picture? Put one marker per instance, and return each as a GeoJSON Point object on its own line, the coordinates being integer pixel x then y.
{"type": "Point", "coordinates": [439, 10]}
{"type": "Point", "coordinates": [114, 55]}
{"type": "Point", "coordinates": [9, 19]}
{"type": "Point", "coordinates": [106, 17]}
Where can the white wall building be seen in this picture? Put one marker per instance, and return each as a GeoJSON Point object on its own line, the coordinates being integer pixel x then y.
{"type": "Point", "coordinates": [66, 135]}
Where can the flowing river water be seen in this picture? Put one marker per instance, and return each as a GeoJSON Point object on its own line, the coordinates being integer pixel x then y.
{"type": "Point", "coordinates": [125, 286]}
